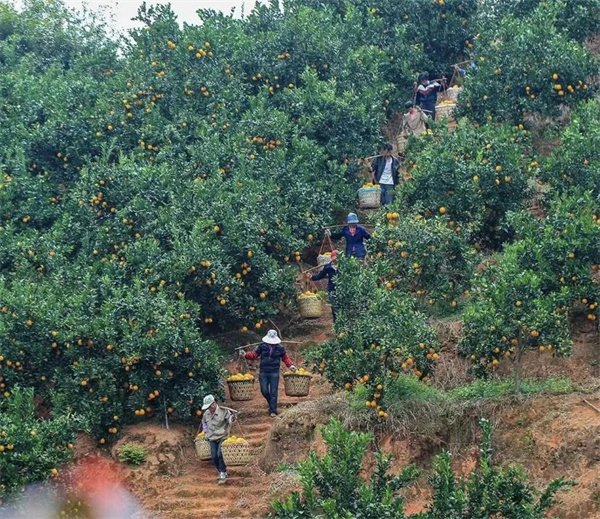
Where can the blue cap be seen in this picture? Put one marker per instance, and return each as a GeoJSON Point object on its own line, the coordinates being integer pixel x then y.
{"type": "Point", "coordinates": [352, 218]}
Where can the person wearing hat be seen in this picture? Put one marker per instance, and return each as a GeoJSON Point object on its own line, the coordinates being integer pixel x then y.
{"type": "Point", "coordinates": [329, 271]}
{"type": "Point", "coordinates": [271, 354]}
{"type": "Point", "coordinates": [426, 94]}
{"type": "Point", "coordinates": [354, 234]}
{"type": "Point", "coordinates": [216, 424]}
{"type": "Point", "coordinates": [386, 172]}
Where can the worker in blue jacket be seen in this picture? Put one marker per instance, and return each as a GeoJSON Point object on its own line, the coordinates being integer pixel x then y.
{"type": "Point", "coordinates": [355, 235]}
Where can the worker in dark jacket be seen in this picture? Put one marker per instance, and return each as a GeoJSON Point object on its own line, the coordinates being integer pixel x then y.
{"type": "Point", "coordinates": [386, 172]}
{"type": "Point", "coordinates": [355, 235]}
{"type": "Point", "coordinates": [329, 271]}
{"type": "Point", "coordinates": [271, 354]}
{"type": "Point", "coordinates": [426, 94]}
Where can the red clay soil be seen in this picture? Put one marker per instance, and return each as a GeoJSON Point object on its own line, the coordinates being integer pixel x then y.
{"type": "Point", "coordinates": [174, 483]}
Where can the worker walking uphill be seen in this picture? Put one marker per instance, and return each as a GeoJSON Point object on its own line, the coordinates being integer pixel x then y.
{"type": "Point", "coordinates": [355, 236]}
{"type": "Point", "coordinates": [216, 424]}
{"type": "Point", "coordinates": [328, 271]}
{"type": "Point", "coordinates": [271, 354]}
{"type": "Point", "coordinates": [386, 172]}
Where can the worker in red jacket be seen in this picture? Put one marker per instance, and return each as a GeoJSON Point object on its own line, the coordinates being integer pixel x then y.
{"type": "Point", "coordinates": [271, 353]}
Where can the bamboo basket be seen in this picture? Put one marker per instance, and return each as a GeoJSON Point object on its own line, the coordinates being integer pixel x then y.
{"type": "Point", "coordinates": [236, 453]}
{"type": "Point", "coordinates": [309, 307]}
{"type": "Point", "coordinates": [202, 448]}
{"type": "Point", "coordinates": [444, 110]}
{"type": "Point", "coordinates": [452, 94]}
{"type": "Point", "coordinates": [369, 197]}
{"type": "Point", "coordinates": [241, 389]}
{"type": "Point", "coordinates": [323, 259]}
{"type": "Point", "coordinates": [296, 385]}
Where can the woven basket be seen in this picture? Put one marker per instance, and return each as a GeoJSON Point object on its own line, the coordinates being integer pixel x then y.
{"type": "Point", "coordinates": [323, 259]}
{"type": "Point", "coordinates": [236, 453]}
{"type": "Point", "coordinates": [369, 197]}
{"type": "Point", "coordinates": [202, 448]}
{"type": "Point", "coordinates": [296, 385]}
{"type": "Point", "coordinates": [401, 143]}
{"type": "Point", "coordinates": [444, 111]}
{"type": "Point", "coordinates": [241, 389]}
{"type": "Point", "coordinates": [309, 307]}
{"type": "Point", "coordinates": [452, 94]}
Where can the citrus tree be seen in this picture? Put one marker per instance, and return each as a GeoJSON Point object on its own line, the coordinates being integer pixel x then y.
{"type": "Point", "coordinates": [470, 177]}
{"type": "Point", "coordinates": [32, 449]}
{"type": "Point", "coordinates": [575, 164]}
{"type": "Point", "coordinates": [425, 257]}
{"type": "Point", "coordinates": [379, 336]}
{"type": "Point", "coordinates": [526, 65]}
{"type": "Point", "coordinates": [523, 302]}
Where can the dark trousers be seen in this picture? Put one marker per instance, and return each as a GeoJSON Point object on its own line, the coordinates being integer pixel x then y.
{"type": "Point", "coordinates": [429, 109]}
{"type": "Point", "coordinates": [332, 303]}
{"type": "Point", "coordinates": [269, 383]}
{"type": "Point", "coordinates": [217, 455]}
{"type": "Point", "coordinates": [387, 193]}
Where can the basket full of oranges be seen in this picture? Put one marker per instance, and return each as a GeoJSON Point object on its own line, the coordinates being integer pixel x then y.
{"type": "Point", "coordinates": [241, 386]}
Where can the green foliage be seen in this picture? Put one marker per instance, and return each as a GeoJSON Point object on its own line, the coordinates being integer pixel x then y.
{"type": "Point", "coordinates": [575, 164]}
{"type": "Point", "coordinates": [425, 257]}
{"type": "Point", "coordinates": [472, 176]}
{"type": "Point", "coordinates": [574, 17]}
{"type": "Point", "coordinates": [379, 335]}
{"type": "Point", "coordinates": [526, 64]}
{"type": "Point", "coordinates": [31, 449]}
{"type": "Point", "coordinates": [522, 302]}
{"type": "Point", "coordinates": [333, 486]}
{"type": "Point", "coordinates": [488, 490]}
{"type": "Point", "coordinates": [132, 454]}
{"type": "Point", "coordinates": [501, 388]}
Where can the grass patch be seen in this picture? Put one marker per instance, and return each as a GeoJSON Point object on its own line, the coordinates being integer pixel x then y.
{"type": "Point", "coordinates": [506, 387]}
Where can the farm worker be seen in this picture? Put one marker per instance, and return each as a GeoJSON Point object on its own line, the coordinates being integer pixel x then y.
{"type": "Point", "coordinates": [329, 271]}
{"type": "Point", "coordinates": [216, 423]}
{"type": "Point", "coordinates": [414, 121]}
{"type": "Point", "coordinates": [354, 234]}
{"type": "Point", "coordinates": [426, 94]}
{"type": "Point", "coordinates": [271, 354]}
{"type": "Point", "coordinates": [385, 169]}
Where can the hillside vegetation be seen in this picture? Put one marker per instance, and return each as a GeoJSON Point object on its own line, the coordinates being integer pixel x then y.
{"type": "Point", "coordinates": [159, 191]}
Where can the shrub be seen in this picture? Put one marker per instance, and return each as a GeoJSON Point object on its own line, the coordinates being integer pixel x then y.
{"type": "Point", "coordinates": [488, 490]}
{"type": "Point", "coordinates": [333, 486]}
{"type": "Point", "coordinates": [132, 454]}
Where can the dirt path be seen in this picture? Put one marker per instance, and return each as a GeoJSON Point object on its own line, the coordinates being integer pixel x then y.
{"type": "Point", "coordinates": [176, 484]}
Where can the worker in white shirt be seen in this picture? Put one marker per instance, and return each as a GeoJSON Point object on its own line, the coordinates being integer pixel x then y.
{"type": "Point", "coordinates": [386, 172]}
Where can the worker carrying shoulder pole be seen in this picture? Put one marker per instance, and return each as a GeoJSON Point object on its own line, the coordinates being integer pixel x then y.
{"type": "Point", "coordinates": [216, 424]}
{"type": "Point", "coordinates": [355, 235]}
{"type": "Point", "coordinates": [426, 94]}
{"type": "Point", "coordinates": [386, 172]}
{"type": "Point", "coordinates": [271, 353]}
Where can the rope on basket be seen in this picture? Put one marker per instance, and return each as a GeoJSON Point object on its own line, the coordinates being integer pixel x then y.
{"type": "Point", "coordinates": [326, 240]}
